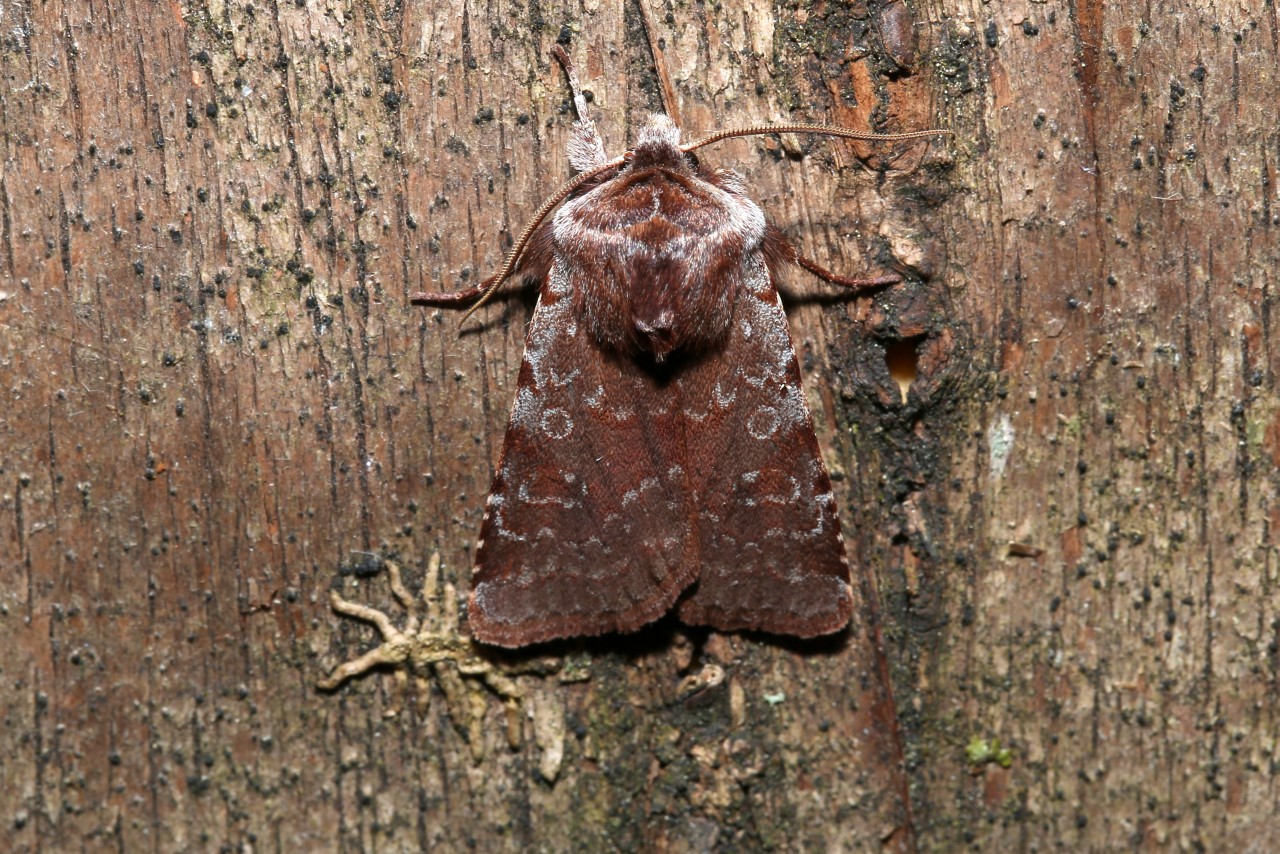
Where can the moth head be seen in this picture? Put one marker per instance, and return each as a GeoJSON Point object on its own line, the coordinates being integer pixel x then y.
{"type": "Point", "coordinates": [659, 145]}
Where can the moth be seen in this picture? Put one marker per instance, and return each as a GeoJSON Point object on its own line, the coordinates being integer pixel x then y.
{"type": "Point", "coordinates": [660, 454]}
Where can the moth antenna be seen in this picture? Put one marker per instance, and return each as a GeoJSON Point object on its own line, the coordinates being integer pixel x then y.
{"type": "Point", "coordinates": [509, 264]}
{"type": "Point", "coordinates": [823, 130]}
{"type": "Point", "coordinates": [669, 104]}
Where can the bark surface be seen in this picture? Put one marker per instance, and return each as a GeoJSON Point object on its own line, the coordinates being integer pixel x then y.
{"type": "Point", "coordinates": [1055, 444]}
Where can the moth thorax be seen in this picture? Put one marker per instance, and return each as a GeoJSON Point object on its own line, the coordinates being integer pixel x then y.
{"type": "Point", "coordinates": [655, 331]}
{"type": "Point", "coordinates": [679, 306]}
{"type": "Point", "coordinates": [668, 334]}
{"type": "Point", "coordinates": [657, 304]}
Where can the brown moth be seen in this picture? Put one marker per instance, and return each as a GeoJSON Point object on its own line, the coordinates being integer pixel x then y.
{"type": "Point", "coordinates": [660, 453]}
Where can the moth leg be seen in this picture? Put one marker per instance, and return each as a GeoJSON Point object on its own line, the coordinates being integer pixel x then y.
{"type": "Point", "coordinates": [452, 298]}
{"type": "Point", "coordinates": [579, 102]}
{"type": "Point", "coordinates": [844, 281]}
{"type": "Point", "coordinates": [585, 149]}
{"type": "Point", "coordinates": [778, 250]}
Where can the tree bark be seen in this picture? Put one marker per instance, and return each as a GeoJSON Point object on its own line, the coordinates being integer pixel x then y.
{"type": "Point", "coordinates": [1055, 443]}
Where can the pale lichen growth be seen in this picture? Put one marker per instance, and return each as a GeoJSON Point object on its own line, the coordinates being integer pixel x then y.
{"type": "Point", "coordinates": [429, 646]}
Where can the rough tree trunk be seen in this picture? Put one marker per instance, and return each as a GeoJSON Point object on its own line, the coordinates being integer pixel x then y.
{"type": "Point", "coordinates": [217, 396]}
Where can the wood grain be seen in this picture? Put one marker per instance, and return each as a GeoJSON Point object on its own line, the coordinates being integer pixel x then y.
{"type": "Point", "coordinates": [215, 393]}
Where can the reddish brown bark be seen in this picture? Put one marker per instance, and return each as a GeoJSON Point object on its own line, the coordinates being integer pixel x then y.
{"type": "Point", "coordinates": [215, 393]}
